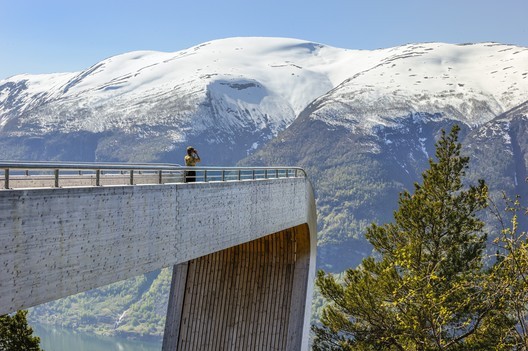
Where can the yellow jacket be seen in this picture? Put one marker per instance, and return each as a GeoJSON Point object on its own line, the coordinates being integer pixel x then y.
{"type": "Point", "coordinates": [191, 160]}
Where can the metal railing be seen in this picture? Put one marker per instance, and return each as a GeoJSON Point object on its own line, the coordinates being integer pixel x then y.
{"type": "Point", "coordinates": [16, 175]}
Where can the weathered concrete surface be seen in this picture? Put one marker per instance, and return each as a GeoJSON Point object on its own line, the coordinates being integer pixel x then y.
{"type": "Point", "coordinates": [59, 242]}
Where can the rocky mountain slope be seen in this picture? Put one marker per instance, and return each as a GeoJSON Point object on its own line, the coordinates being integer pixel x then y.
{"type": "Point", "coordinates": [363, 124]}
{"type": "Point", "coordinates": [226, 97]}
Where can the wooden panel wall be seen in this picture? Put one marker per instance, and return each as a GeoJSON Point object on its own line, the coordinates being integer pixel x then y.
{"type": "Point", "coordinates": [240, 298]}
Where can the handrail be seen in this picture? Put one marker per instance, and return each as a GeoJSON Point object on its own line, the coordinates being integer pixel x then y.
{"type": "Point", "coordinates": [23, 174]}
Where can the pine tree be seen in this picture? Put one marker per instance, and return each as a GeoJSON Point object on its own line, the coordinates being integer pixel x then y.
{"type": "Point", "coordinates": [16, 334]}
{"type": "Point", "coordinates": [427, 289]}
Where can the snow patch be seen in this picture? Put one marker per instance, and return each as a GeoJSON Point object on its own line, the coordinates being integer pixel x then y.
{"type": "Point", "coordinates": [422, 146]}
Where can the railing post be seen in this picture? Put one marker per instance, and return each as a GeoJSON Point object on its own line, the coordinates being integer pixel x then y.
{"type": "Point", "coordinates": [97, 177]}
{"type": "Point", "coordinates": [56, 171]}
{"type": "Point", "coordinates": [253, 173]}
{"type": "Point", "coordinates": [223, 175]}
{"type": "Point", "coordinates": [6, 178]}
{"type": "Point", "coordinates": [239, 174]}
{"type": "Point", "coordinates": [131, 177]}
{"type": "Point", "coordinates": [205, 175]}
{"type": "Point", "coordinates": [160, 177]}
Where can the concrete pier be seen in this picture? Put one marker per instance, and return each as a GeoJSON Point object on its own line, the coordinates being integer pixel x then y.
{"type": "Point", "coordinates": [243, 252]}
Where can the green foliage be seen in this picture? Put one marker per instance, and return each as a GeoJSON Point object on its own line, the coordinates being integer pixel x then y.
{"type": "Point", "coordinates": [146, 317]}
{"type": "Point", "coordinates": [345, 210]}
{"type": "Point", "coordinates": [429, 290]}
{"type": "Point", "coordinates": [16, 334]}
{"type": "Point", "coordinates": [105, 310]}
{"type": "Point", "coordinates": [509, 276]}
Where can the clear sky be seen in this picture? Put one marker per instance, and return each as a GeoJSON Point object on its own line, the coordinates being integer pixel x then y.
{"type": "Point", "coordinates": [46, 36]}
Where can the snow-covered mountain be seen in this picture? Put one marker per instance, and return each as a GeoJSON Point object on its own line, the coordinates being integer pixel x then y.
{"type": "Point", "coordinates": [229, 97]}
{"type": "Point", "coordinates": [469, 83]}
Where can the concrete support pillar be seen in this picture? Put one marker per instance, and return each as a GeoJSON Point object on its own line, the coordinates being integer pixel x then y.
{"type": "Point", "coordinates": [173, 320]}
{"type": "Point", "coordinates": [248, 297]}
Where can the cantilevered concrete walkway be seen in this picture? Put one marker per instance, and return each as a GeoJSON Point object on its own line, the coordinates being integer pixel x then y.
{"type": "Point", "coordinates": [242, 243]}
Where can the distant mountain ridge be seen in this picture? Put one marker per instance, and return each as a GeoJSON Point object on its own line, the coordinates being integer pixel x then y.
{"type": "Point", "coordinates": [231, 96]}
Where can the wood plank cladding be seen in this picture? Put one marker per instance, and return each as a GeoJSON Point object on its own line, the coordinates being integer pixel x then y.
{"type": "Point", "coordinates": [241, 298]}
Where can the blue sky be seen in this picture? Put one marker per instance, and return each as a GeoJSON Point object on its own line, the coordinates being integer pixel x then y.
{"type": "Point", "coordinates": [45, 36]}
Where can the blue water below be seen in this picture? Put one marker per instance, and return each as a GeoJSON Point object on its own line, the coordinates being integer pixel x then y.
{"type": "Point", "coordinates": [60, 339]}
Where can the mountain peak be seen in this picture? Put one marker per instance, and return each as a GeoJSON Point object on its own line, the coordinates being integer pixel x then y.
{"type": "Point", "coordinates": [258, 86]}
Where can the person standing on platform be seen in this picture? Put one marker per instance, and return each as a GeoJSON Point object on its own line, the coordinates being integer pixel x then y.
{"type": "Point", "coordinates": [191, 159]}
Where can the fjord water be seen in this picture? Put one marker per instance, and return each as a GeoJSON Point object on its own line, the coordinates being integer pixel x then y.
{"type": "Point", "coordinates": [61, 339]}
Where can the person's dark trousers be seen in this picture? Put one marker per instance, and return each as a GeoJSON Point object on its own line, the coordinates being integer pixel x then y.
{"type": "Point", "coordinates": [190, 176]}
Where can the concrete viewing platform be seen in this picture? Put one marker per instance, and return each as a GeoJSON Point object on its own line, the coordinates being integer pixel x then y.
{"type": "Point", "coordinates": [241, 241]}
